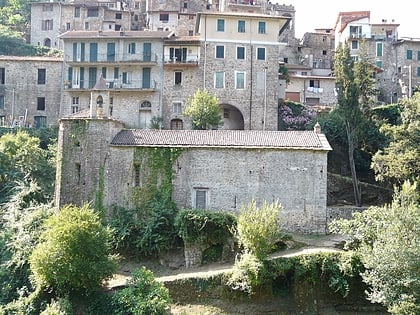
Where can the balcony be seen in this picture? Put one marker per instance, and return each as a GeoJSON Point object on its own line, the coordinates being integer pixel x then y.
{"type": "Point", "coordinates": [245, 2]}
{"type": "Point", "coordinates": [191, 60]}
{"type": "Point", "coordinates": [114, 84]}
{"type": "Point", "coordinates": [113, 59]}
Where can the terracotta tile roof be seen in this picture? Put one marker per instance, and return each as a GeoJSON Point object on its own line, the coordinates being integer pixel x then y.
{"type": "Point", "coordinates": [344, 18]}
{"type": "Point", "coordinates": [308, 140]}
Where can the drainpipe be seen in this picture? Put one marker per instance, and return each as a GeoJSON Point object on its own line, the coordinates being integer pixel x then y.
{"type": "Point", "coordinates": [205, 52]}
{"type": "Point", "coordinates": [265, 97]}
{"type": "Point", "coordinates": [250, 92]}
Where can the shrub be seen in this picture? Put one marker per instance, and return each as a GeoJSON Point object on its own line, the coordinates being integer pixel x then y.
{"type": "Point", "coordinates": [205, 227]}
{"type": "Point", "coordinates": [144, 295]}
{"type": "Point", "coordinates": [295, 116]}
{"type": "Point", "coordinates": [259, 228]}
{"type": "Point", "coordinates": [74, 251]}
{"type": "Point", "coordinates": [246, 273]}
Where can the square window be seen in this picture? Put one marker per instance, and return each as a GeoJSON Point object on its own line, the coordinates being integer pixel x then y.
{"type": "Point", "coordinates": [75, 100]}
{"type": "Point", "coordinates": [164, 17]}
{"type": "Point", "coordinates": [74, 109]}
{"type": "Point", "coordinates": [241, 26]}
{"type": "Point", "coordinates": [118, 16]}
{"type": "Point", "coordinates": [219, 80]}
{"type": "Point", "coordinates": [42, 76]}
{"type": "Point", "coordinates": [178, 77]}
{"type": "Point", "coordinates": [220, 25]}
{"type": "Point", "coordinates": [261, 53]}
{"type": "Point", "coordinates": [261, 27]}
{"type": "Point", "coordinates": [177, 108]}
{"type": "Point", "coordinates": [40, 121]}
{"type": "Point", "coordinates": [40, 103]}
{"type": "Point", "coordinates": [220, 51]}
{"type": "Point", "coordinates": [240, 52]}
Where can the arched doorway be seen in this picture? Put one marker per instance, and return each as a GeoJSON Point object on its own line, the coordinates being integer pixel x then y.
{"type": "Point", "coordinates": [232, 118]}
{"type": "Point", "coordinates": [145, 115]}
{"type": "Point", "coordinates": [47, 42]}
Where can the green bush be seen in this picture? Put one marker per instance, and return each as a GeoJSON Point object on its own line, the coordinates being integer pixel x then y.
{"type": "Point", "coordinates": [74, 251]}
{"type": "Point", "coordinates": [258, 229]}
{"type": "Point", "coordinates": [205, 227]}
{"type": "Point", "coordinates": [143, 296]}
{"type": "Point", "coordinates": [247, 273]}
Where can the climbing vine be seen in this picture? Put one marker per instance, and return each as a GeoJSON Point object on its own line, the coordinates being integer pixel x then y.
{"type": "Point", "coordinates": [155, 167]}
{"type": "Point", "coordinates": [99, 194]}
{"type": "Point", "coordinates": [78, 128]}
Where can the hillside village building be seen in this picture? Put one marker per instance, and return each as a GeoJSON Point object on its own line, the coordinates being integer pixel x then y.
{"type": "Point", "coordinates": [30, 91]}
{"type": "Point", "coordinates": [216, 169]}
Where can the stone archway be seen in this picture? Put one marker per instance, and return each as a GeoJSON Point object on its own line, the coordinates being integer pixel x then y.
{"type": "Point", "coordinates": [232, 118]}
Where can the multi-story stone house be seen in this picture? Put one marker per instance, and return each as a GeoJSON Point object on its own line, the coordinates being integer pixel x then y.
{"type": "Point", "coordinates": [50, 19]}
{"type": "Point", "coordinates": [239, 63]}
{"type": "Point", "coordinates": [30, 91]}
{"type": "Point", "coordinates": [396, 58]}
{"type": "Point", "coordinates": [114, 74]}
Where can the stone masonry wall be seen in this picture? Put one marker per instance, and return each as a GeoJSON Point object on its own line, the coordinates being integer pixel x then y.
{"type": "Point", "coordinates": [232, 177]}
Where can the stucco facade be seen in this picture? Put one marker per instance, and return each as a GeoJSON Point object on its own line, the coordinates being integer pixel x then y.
{"type": "Point", "coordinates": [217, 170]}
{"type": "Point", "coordinates": [30, 91]}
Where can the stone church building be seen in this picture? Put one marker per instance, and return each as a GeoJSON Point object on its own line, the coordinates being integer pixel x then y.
{"type": "Point", "coordinates": [216, 169]}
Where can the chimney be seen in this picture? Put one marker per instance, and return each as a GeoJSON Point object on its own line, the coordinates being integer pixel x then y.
{"type": "Point", "coordinates": [317, 128]}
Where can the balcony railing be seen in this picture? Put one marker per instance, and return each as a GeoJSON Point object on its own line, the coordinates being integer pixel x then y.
{"type": "Point", "coordinates": [188, 60]}
{"type": "Point", "coordinates": [116, 84]}
{"type": "Point", "coordinates": [245, 2]}
{"type": "Point", "coordinates": [114, 58]}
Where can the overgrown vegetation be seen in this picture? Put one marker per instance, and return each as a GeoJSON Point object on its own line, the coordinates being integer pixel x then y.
{"type": "Point", "coordinates": [388, 241]}
{"type": "Point", "coordinates": [205, 227]}
{"type": "Point", "coordinates": [259, 228]}
{"type": "Point", "coordinates": [142, 296]}
{"type": "Point", "coordinates": [73, 253]}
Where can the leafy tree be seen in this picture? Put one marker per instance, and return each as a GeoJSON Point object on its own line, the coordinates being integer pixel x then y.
{"type": "Point", "coordinates": [400, 161]}
{"type": "Point", "coordinates": [74, 251]}
{"type": "Point", "coordinates": [259, 228]}
{"type": "Point", "coordinates": [354, 88]}
{"type": "Point", "coordinates": [25, 163]}
{"type": "Point", "coordinates": [388, 241]}
{"type": "Point", "coordinates": [143, 295]}
{"type": "Point", "coordinates": [204, 110]}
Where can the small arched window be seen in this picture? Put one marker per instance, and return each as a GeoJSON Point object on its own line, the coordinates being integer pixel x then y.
{"type": "Point", "coordinates": [100, 101]}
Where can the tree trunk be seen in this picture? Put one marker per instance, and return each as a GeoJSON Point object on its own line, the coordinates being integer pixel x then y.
{"type": "Point", "coordinates": [356, 187]}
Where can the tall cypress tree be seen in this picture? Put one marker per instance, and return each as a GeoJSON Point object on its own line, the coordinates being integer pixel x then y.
{"type": "Point", "coordinates": [349, 108]}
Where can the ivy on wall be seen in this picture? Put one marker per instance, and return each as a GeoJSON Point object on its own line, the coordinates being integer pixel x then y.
{"type": "Point", "coordinates": [156, 172]}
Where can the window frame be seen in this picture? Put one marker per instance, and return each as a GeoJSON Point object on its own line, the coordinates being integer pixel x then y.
{"type": "Point", "coordinates": [40, 103]}
{"type": "Point", "coordinates": [242, 87]}
{"type": "Point", "coordinates": [219, 54]}
{"type": "Point", "coordinates": [220, 25]}
{"type": "Point", "coordinates": [196, 198]}
{"type": "Point", "coordinates": [177, 77]}
{"type": "Point", "coordinates": [177, 107]}
{"type": "Point", "coordinates": [241, 26]}
{"type": "Point", "coordinates": [258, 53]}
{"type": "Point", "coordinates": [42, 76]}
{"type": "Point", "coordinates": [237, 52]}
{"type": "Point", "coordinates": [262, 27]}
{"type": "Point", "coordinates": [216, 79]}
